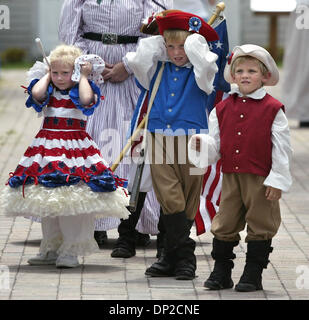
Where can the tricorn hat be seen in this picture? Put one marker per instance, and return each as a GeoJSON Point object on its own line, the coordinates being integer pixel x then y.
{"type": "Point", "coordinates": [176, 19]}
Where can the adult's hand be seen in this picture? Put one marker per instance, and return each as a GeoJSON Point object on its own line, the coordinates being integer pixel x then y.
{"type": "Point", "coordinates": [117, 73]}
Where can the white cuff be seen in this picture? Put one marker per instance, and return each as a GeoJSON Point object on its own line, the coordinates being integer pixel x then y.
{"type": "Point", "coordinates": [279, 181]}
{"type": "Point", "coordinates": [203, 60]}
{"type": "Point", "coordinates": [144, 61]}
{"type": "Point", "coordinates": [208, 154]}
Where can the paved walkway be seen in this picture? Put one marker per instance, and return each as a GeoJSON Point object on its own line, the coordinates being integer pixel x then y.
{"type": "Point", "coordinates": [103, 277]}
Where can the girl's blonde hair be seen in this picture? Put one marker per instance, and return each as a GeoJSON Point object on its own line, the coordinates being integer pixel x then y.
{"type": "Point", "coordinates": [242, 59]}
{"type": "Point", "coordinates": [65, 54]}
{"type": "Point", "coordinates": [176, 35]}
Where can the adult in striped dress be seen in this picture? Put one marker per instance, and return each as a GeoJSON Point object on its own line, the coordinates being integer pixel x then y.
{"type": "Point", "coordinates": [109, 125]}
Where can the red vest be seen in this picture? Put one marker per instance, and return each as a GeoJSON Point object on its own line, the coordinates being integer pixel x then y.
{"type": "Point", "coordinates": [245, 133]}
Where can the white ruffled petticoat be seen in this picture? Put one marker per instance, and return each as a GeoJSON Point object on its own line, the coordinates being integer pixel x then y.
{"type": "Point", "coordinates": [63, 201]}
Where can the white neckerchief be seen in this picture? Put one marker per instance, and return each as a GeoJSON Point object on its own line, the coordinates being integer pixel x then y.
{"type": "Point", "coordinates": [257, 94]}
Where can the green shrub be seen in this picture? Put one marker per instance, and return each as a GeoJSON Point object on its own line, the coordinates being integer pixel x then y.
{"type": "Point", "coordinates": [13, 55]}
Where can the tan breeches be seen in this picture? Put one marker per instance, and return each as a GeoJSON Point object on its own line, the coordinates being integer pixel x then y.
{"type": "Point", "coordinates": [242, 203]}
{"type": "Point", "coordinates": [175, 182]}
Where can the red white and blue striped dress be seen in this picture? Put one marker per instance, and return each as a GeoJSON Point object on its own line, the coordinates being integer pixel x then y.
{"type": "Point", "coordinates": [123, 17]}
{"type": "Point", "coordinates": [62, 173]}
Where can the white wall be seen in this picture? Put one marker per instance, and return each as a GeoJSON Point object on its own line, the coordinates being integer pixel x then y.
{"type": "Point", "coordinates": [49, 11]}
{"type": "Point", "coordinates": [233, 15]}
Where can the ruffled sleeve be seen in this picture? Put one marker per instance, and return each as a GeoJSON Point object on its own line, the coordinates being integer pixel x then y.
{"type": "Point", "coordinates": [280, 175]}
{"type": "Point", "coordinates": [144, 61]}
{"type": "Point", "coordinates": [87, 110]}
{"type": "Point", "coordinates": [71, 24]}
{"type": "Point", "coordinates": [203, 60]}
{"type": "Point", "coordinates": [31, 102]}
{"type": "Point", "coordinates": [210, 145]}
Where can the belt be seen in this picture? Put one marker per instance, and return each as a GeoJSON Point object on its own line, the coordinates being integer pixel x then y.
{"type": "Point", "coordinates": [110, 38]}
{"type": "Point", "coordinates": [64, 123]}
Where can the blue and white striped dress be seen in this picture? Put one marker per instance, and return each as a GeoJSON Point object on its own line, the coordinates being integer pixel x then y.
{"type": "Point", "coordinates": [109, 124]}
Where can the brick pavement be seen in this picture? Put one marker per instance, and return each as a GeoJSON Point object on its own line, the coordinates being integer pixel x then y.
{"type": "Point", "coordinates": [104, 278]}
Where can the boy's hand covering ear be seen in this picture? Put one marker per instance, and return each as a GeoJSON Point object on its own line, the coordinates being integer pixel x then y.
{"type": "Point", "coordinates": [144, 61]}
{"type": "Point", "coordinates": [203, 60]}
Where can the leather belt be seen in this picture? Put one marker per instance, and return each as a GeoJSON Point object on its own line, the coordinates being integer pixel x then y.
{"type": "Point", "coordinates": [110, 38]}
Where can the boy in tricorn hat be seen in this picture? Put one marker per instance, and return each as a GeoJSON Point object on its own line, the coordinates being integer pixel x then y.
{"type": "Point", "coordinates": [178, 111]}
{"type": "Point", "coordinates": [249, 132]}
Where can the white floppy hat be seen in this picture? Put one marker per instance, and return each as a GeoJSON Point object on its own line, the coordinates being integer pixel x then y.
{"type": "Point", "coordinates": [258, 53]}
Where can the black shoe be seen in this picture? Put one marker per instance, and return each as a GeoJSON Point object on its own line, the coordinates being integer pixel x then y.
{"type": "Point", "coordinates": [256, 260]}
{"type": "Point", "coordinates": [185, 271]}
{"type": "Point", "coordinates": [178, 246]}
{"type": "Point", "coordinates": [122, 253]}
{"type": "Point", "coordinates": [164, 267]}
{"type": "Point", "coordinates": [251, 279]}
{"type": "Point", "coordinates": [186, 262]}
{"type": "Point", "coordinates": [220, 278]}
{"type": "Point", "coordinates": [142, 240]}
{"type": "Point", "coordinates": [100, 237]}
{"type": "Point", "coordinates": [124, 247]}
{"type": "Point", "coordinates": [161, 268]}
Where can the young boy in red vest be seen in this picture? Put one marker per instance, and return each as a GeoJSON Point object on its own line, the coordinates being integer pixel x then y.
{"type": "Point", "coordinates": [249, 132]}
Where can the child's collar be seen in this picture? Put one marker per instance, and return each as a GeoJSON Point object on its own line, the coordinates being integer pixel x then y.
{"type": "Point", "coordinates": [187, 65]}
{"type": "Point", "coordinates": [257, 94]}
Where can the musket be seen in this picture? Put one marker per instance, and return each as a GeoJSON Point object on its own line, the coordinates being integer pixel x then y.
{"type": "Point", "coordinates": [140, 166]}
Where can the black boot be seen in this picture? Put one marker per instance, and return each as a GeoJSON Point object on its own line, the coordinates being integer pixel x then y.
{"type": "Point", "coordinates": [100, 237]}
{"type": "Point", "coordinates": [186, 260]}
{"type": "Point", "coordinates": [178, 257]}
{"type": "Point", "coordinates": [256, 260]}
{"type": "Point", "coordinates": [164, 267]}
{"type": "Point", "coordinates": [160, 236]}
{"type": "Point", "coordinates": [142, 240]}
{"type": "Point", "coordinates": [126, 243]}
{"type": "Point", "coordinates": [221, 276]}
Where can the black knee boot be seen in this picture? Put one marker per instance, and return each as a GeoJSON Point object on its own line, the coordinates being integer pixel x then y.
{"type": "Point", "coordinates": [256, 260]}
{"type": "Point", "coordinates": [126, 242]}
{"type": "Point", "coordinates": [160, 236]}
{"type": "Point", "coordinates": [186, 260]}
{"type": "Point", "coordinates": [177, 257]}
{"type": "Point", "coordinates": [164, 267]}
{"type": "Point", "coordinates": [221, 276]}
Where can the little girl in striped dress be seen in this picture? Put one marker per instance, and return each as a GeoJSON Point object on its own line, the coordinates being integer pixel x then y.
{"type": "Point", "coordinates": [62, 178]}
